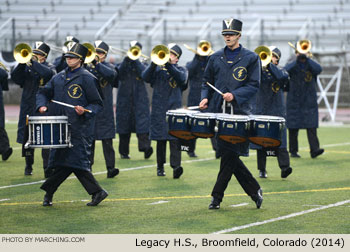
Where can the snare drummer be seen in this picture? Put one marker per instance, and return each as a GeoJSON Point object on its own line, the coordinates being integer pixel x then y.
{"type": "Point", "coordinates": [236, 72]}
{"type": "Point", "coordinates": [78, 87]}
{"type": "Point", "coordinates": [32, 76]}
{"type": "Point", "coordinates": [270, 101]}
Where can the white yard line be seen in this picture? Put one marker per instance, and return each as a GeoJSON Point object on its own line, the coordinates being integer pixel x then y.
{"type": "Point", "coordinates": [238, 205]}
{"type": "Point", "coordinates": [158, 202]}
{"type": "Point", "coordinates": [281, 217]}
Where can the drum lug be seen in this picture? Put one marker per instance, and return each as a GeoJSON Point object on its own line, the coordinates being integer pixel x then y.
{"type": "Point", "coordinates": [173, 119]}
{"type": "Point", "coordinates": [235, 125]}
{"type": "Point", "coordinates": [223, 124]}
{"type": "Point", "coordinates": [167, 118]}
{"type": "Point", "coordinates": [194, 121]}
{"type": "Point", "coordinates": [208, 122]}
{"type": "Point", "coordinates": [268, 125]}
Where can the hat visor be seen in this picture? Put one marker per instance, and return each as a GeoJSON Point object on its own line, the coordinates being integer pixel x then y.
{"type": "Point", "coordinates": [71, 55]}
{"type": "Point", "coordinates": [100, 51]}
{"type": "Point", "coordinates": [229, 33]}
{"type": "Point", "coordinates": [38, 52]}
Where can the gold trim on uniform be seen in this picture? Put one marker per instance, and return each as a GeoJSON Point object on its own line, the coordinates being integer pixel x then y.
{"type": "Point", "coordinates": [75, 91]}
{"type": "Point", "coordinates": [45, 54]}
{"type": "Point", "coordinates": [104, 51]}
{"type": "Point", "coordinates": [230, 30]}
{"type": "Point", "coordinates": [240, 73]}
{"type": "Point", "coordinates": [103, 83]}
{"type": "Point", "coordinates": [174, 52]}
{"type": "Point", "coordinates": [275, 87]}
{"type": "Point", "coordinates": [172, 82]}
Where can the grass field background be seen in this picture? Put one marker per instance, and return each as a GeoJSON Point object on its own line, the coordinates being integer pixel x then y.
{"type": "Point", "coordinates": [139, 202]}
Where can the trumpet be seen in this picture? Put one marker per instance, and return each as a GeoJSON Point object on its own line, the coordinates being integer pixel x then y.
{"type": "Point", "coordinates": [23, 53]}
{"type": "Point", "coordinates": [265, 55]}
{"type": "Point", "coordinates": [3, 66]}
{"type": "Point", "coordinates": [160, 54]}
{"type": "Point", "coordinates": [303, 47]}
{"type": "Point", "coordinates": [203, 48]}
{"type": "Point", "coordinates": [91, 54]}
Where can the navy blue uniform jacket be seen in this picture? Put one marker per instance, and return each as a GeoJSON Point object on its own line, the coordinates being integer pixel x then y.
{"type": "Point", "coordinates": [241, 78]}
{"type": "Point", "coordinates": [270, 97]}
{"type": "Point", "coordinates": [30, 79]}
{"type": "Point", "coordinates": [80, 89]}
{"type": "Point", "coordinates": [60, 63]}
{"type": "Point", "coordinates": [167, 82]}
{"type": "Point", "coordinates": [106, 75]}
{"type": "Point", "coordinates": [3, 87]}
{"type": "Point", "coordinates": [302, 107]}
{"type": "Point", "coordinates": [195, 69]}
{"type": "Point", "coordinates": [133, 111]}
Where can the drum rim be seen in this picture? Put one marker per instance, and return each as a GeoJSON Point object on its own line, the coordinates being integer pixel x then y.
{"type": "Point", "coordinates": [200, 114]}
{"type": "Point", "coordinates": [229, 117]}
{"type": "Point", "coordinates": [181, 113]}
{"type": "Point", "coordinates": [267, 118]}
{"type": "Point", "coordinates": [47, 118]}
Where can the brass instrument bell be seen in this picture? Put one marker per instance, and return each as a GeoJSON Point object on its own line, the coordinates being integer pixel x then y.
{"type": "Point", "coordinates": [23, 53]}
{"type": "Point", "coordinates": [91, 54]}
{"type": "Point", "coordinates": [304, 46]}
{"type": "Point", "coordinates": [204, 48]}
{"type": "Point", "coordinates": [160, 54]}
{"type": "Point", "coordinates": [134, 52]}
{"type": "Point", "coordinates": [265, 55]}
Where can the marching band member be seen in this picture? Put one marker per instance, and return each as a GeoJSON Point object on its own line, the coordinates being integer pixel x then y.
{"type": "Point", "coordinates": [168, 81]}
{"type": "Point", "coordinates": [60, 62]}
{"type": "Point", "coordinates": [32, 76]}
{"type": "Point", "coordinates": [76, 86]}
{"type": "Point", "coordinates": [270, 101]}
{"type": "Point", "coordinates": [196, 69]}
{"type": "Point", "coordinates": [236, 72]}
{"type": "Point", "coordinates": [133, 113]}
{"type": "Point", "coordinates": [302, 107]}
{"type": "Point", "coordinates": [5, 149]}
{"type": "Point", "coordinates": [105, 128]}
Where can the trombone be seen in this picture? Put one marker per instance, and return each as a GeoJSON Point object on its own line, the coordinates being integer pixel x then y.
{"type": "Point", "coordinates": [203, 48]}
{"type": "Point", "coordinates": [3, 66]}
{"type": "Point", "coordinates": [160, 54]}
{"type": "Point", "coordinates": [23, 53]}
{"type": "Point", "coordinates": [303, 47]}
{"type": "Point", "coordinates": [133, 53]}
{"type": "Point", "coordinates": [265, 55]}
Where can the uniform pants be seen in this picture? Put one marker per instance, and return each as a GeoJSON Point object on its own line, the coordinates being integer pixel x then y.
{"type": "Point", "coordinates": [29, 157]}
{"type": "Point", "coordinates": [175, 153]}
{"type": "Point", "coordinates": [311, 136]}
{"type": "Point", "coordinates": [4, 141]}
{"type": "Point", "coordinates": [282, 158]}
{"type": "Point", "coordinates": [61, 174]}
{"type": "Point", "coordinates": [231, 164]}
{"type": "Point", "coordinates": [108, 153]}
{"type": "Point", "coordinates": [124, 141]}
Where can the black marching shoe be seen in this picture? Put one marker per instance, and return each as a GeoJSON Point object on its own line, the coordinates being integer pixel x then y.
{"type": "Point", "coordinates": [148, 153]}
{"type": "Point", "coordinates": [177, 172]}
{"type": "Point", "coordinates": [295, 155]}
{"type": "Point", "coordinates": [262, 174]}
{"type": "Point", "coordinates": [47, 199]}
{"type": "Point", "coordinates": [112, 172]}
{"type": "Point", "coordinates": [28, 170]}
{"type": "Point", "coordinates": [97, 198]}
{"type": "Point", "coordinates": [122, 156]}
{"type": "Point", "coordinates": [160, 172]}
{"type": "Point", "coordinates": [258, 198]}
{"type": "Point", "coordinates": [286, 171]}
{"type": "Point", "coordinates": [192, 154]}
{"type": "Point", "coordinates": [215, 204]}
{"type": "Point", "coordinates": [7, 154]}
{"type": "Point", "coordinates": [314, 154]}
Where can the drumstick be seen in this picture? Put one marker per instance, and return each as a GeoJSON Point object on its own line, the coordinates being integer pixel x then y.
{"type": "Point", "coordinates": [69, 105]}
{"type": "Point", "coordinates": [193, 107]}
{"type": "Point", "coordinates": [217, 90]}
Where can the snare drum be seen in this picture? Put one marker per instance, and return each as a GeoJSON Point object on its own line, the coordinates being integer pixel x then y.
{"type": "Point", "coordinates": [203, 124]}
{"type": "Point", "coordinates": [232, 128]}
{"type": "Point", "coordinates": [48, 132]}
{"type": "Point", "coordinates": [266, 131]}
{"type": "Point", "coordinates": [178, 121]}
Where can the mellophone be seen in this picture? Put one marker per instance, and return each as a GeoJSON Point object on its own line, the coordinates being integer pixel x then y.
{"type": "Point", "coordinates": [262, 130]}
{"type": "Point", "coordinates": [48, 132]}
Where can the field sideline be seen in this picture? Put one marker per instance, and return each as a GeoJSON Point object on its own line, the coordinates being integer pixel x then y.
{"type": "Point", "coordinates": [315, 198]}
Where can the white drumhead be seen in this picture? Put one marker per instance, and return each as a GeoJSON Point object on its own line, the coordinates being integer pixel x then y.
{"type": "Point", "coordinates": [181, 112]}
{"type": "Point", "coordinates": [200, 115]}
{"type": "Point", "coordinates": [266, 118]}
{"type": "Point", "coordinates": [47, 119]}
{"type": "Point", "coordinates": [232, 118]}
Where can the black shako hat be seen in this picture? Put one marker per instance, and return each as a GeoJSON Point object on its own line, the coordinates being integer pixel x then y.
{"type": "Point", "coordinates": [231, 27]}
{"type": "Point", "coordinates": [101, 47]}
{"type": "Point", "coordinates": [71, 39]}
{"type": "Point", "coordinates": [135, 43]}
{"type": "Point", "coordinates": [275, 51]}
{"type": "Point", "coordinates": [175, 49]}
{"type": "Point", "coordinates": [76, 50]}
{"type": "Point", "coordinates": [41, 48]}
